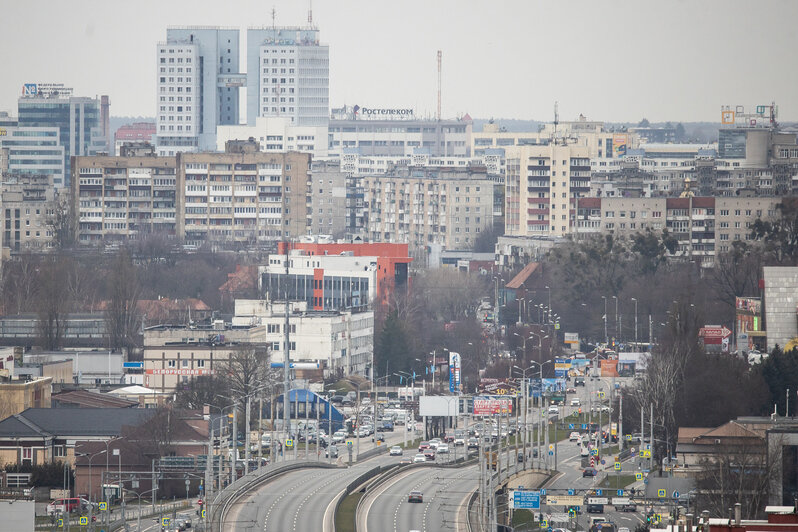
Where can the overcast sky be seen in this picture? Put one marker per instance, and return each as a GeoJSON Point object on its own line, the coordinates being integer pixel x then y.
{"type": "Point", "coordinates": [609, 60]}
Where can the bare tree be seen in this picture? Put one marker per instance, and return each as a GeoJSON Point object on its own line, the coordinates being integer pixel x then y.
{"type": "Point", "coordinates": [52, 303]}
{"type": "Point", "coordinates": [737, 471]}
{"type": "Point", "coordinates": [122, 320]}
{"type": "Point", "coordinates": [62, 223]}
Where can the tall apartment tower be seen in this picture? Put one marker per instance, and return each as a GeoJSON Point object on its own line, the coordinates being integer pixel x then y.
{"type": "Point", "coordinates": [197, 88]}
{"type": "Point", "coordinates": [288, 75]}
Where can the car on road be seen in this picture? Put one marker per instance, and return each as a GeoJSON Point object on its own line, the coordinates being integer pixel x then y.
{"type": "Point", "coordinates": [443, 448]}
{"type": "Point", "coordinates": [423, 446]}
{"type": "Point", "coordinates": [406, 460]}
{"type": "Point", "coordinates": [70, 505]}
{"type": "Point", "coordinates": [576, 402]}
{"type": "Point", "coordinates": [473, 443]}
{"type": "Point", "coordinates": [595, 509]}
{"type": "Point", "coordinates": [339, 436]}
{"type": "Point", "coordinates": [575, 436]}
{"type": "Point", "coordinates": [415, 496]}
{"type": "Point", "coordinates": [378, 437]}
{"type": "Point", "coordinates": [419, 458]}
{"type": "Point", "coordinates": [429, 454]}
{"type": "Point", "coordinates": [459, 441]}
{"type": "Point", "coordinates": [554, 410]}
{"type": "Point", "coordinates": [395, 451]}
{"type": "Point", "coordinates": [579, 381]}
{"type": "Point", "coordinates": [629, 508]}
{"type": "Point", "coordinates": [571, 390]}
{"type": "Point", "coordinates": [331, 451]}
{"type": "Point", "coordinates": [589, 472]}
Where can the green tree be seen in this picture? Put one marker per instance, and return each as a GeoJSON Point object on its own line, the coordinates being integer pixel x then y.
{"type": "Point", "coordinates": [780, 234]}
{"type": "Point", "coordinates": [681, 134]}
{"type": "Point", "coordinates": [780, 372]}
{"type": "Point", "coordinates": [653, 249]}
{"type": "Point", "coordinates": [393, 346]}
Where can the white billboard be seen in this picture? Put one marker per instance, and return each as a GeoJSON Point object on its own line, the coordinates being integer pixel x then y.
{"type": "Point", "coordinates": [439, 405]}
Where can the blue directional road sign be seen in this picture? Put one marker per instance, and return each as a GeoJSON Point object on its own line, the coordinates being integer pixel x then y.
{"type": "Point", "coordinates": [584, 426]}
{"type": "Point", "coordinates": [570, 426]}
{"type": "Point", "coordinates": [620, 493]}
{"type": "Point", "coordinates": [571, 491]}
{"type": "Point", "coordinates": [676, 494]}
{"type": "Point", "coordinates": [527, 500]}
{"type": "Point", "coordinates": [543, 492]}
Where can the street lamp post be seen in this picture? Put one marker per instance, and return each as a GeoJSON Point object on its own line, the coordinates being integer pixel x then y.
{"type": "Point", "coordinates": [606, 336]}
{"type": "Point", "coordinates": [617, 327]}
{"type": "Point", "coordinates": [91, 495]}
{"type": "Point", "coordinates": [635, 300]}
{"type": "Point", "coordinates": [520, 305]}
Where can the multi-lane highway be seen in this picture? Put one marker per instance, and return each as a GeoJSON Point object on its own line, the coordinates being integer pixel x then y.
{"type": "Point", "coordinates": [445, 490]}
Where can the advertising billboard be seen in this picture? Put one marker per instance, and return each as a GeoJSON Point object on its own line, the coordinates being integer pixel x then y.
{"type": "Point", "coordinates": [454, 372]}
{"type": "Point", "coordinates": [488, 405]}
{"type": "Point", "coordinates": [620, 143]}
{"type": "Point", "coordinates": [439, 405]}
{"type": "Point", "coordinates": [572, 339]}
{"type": "Point", "coordinates": [609, 368]}
{"type": "Point", "coordinates": [549, 387]}
{"type": "Point", "coordinates": [561, 366]}
{"type": "Point", "coordinates": [498, 387]}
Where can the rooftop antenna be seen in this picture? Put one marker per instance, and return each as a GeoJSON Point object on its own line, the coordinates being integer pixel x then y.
{"type": "Point", "coordinates": [274, 16]}
{"type": "Point", "coordinates": [556, 118]}
{"type": "Point", "coordinates": [310, 15]}
{"type": "Point", "coordinates": [440, 57]}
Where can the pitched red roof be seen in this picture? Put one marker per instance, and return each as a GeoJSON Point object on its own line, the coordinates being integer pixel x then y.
{"type": "Point", "coordinates": [523, 275]}
{"type": "Point", "coordinates": [244, 278]}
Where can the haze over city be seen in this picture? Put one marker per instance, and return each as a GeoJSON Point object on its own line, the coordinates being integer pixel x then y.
{"type": "Point", "coordinates": [614, 61]}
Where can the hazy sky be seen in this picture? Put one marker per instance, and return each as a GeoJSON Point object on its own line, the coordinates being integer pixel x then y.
{"type": "Point", "coordinates": [610, 60]}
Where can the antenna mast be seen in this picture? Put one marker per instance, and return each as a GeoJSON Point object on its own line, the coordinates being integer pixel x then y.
{"type": "Point", "coordinates": [310, 15]}
{"type": "Point", "coordinates": [440, 56]}
{"type": "Point", "coordinates": [556, 119]}
{"type": "Point", "coordinates": [274, 16]}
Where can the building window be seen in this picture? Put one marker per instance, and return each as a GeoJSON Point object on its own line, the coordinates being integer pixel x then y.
{"type": "Point", "coordinates": [171, 363]}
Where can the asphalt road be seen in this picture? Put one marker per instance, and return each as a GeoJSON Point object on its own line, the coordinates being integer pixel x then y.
{"type": "Point", "coordinates": [444, 490]}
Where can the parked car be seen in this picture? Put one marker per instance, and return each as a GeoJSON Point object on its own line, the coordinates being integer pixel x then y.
{"type": "Point", "coordinates": [395, 451]}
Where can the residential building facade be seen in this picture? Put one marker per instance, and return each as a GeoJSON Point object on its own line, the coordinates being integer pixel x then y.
{"type": "Point", "coordinates": [432, 206]}
{"type": "Point", "coordinates": [28, 203]}
{"type": "Point", "coordinates": [123, 198]}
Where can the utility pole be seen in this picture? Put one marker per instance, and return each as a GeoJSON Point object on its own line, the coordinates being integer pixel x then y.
{"type": "Point", "coordinates": [246, 434]}
{"type": "Point", "coordinates": [287, 355]}
{"type": "Point", "coordinates": [606, 336]}
{"type": "Point", "coordinates": [234, 458]}
{"type": "Point", "coordinates": [651, 435]}
{"type": "Point", "coordinates": [620, 420]}
{"type": "Point", "coordinates": [635, 300]}
{"type": "Point", "coordinates": [650, 332]}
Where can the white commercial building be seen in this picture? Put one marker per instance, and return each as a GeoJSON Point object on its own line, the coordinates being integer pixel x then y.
{"type": "Point", "coordinates": [288, 75]}
{"type": "Point", "coordinates": [341, 342]}
{"type": "Point", "coordinates": [277, 135]}
{"type": "Point", "coordinates": [197, 87]}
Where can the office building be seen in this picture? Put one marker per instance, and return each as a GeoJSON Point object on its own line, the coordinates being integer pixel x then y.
{"type": "Point", "coordinates": [288, 75]}
{"type": "Point", "coordinates": [197, 88]}
{"type": "Point", "coordinates": [32, 151]}
{"type": "Point", "coordinates": [248, 197]}
{"type": "Point", "coordinates": [396, 132]}
{"type": "Point", "coordinates": [333, 208]}
{"type": "Point", "coordinates": [138, 132]}
{"type": "Point", "coordinates": [276, 135]}
{"type": "Point", "coordinates": [78, 120]}
{"type": "Point", "coordinates": [340, 342]}
{"type": "Point", "coordinates": [123, 198]}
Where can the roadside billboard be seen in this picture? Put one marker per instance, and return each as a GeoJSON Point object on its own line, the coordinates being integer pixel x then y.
{"type": "Point", "coordinates": [488, 405]}
{"type": "Point", "coordinates": [489, 386]}
{"type": "Point", "coordinates": [454, 372]}
{"type": "Point", "coordinates": [549, 387]}
{"type": "Point", "coordinates": [439, 405]}
{"type": "Point", "coordinates": [561, 366]}
{"type": "Point", "coordinates": [620, 143]}
{"type": "Point", "coordinates": [609, 368]}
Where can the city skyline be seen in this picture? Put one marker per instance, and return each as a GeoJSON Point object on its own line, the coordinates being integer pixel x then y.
{"type": "Point", "coordinates": [608, 61]}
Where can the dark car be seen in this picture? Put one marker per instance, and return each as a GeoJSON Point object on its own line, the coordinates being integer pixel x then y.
{"type": "Point", "coordinates": [337, 399]}
{"type": "Point", "coordinates": [386, 426]}
{"type": "Point", "coordinates": [473, 443]}
{"type": "Point", "coordinates": [415, 496]}
{"type": "Point", "coordinates": [629, 508]}
{"type": "Point", "coordinates": [589, 472]}
{"type": "Point", "coordinates": [579, 381]}
{"type": "Point", "coordinates": [429, 454]}
{"type": "Point", "coordinates": [595, 508]}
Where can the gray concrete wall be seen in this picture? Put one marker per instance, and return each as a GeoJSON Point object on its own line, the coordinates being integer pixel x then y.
{"type": "Point", "coordinates": [781, 301]}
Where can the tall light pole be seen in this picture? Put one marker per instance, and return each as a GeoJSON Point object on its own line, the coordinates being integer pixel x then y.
{"type": "Point", "coordinates": [635, 300]}
{"type": "Point", "coordinates": [520, 304]}
{"type": "Point", "coordinates": [617, 328]}
{"type": "Point", "coordinates": [606, 337]}
{"type": "Point", "coordinates": [549, 290]}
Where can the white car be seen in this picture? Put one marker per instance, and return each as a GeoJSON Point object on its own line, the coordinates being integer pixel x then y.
{"type": "Point", "coordinates": [443, 448]}
{"type": "Point", "coordinates": [554, 410]}
{"type": "Point", "coordinates": [575, 436]}
{"type": "Point", "coordinates": [459, 441]}
{"type": "Point", "coordinates": [419, 458]}
{"type": "Point", "coordinates": [576, 402]}
{"type": "Point", "coordinates": [339, 436]}
{"type": "Point", "coordinates": [395, 451]}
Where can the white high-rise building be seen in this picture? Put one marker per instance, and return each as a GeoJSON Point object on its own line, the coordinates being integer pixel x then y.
{"type": "Point", "coordinates": [288, 75]}
{"type": "Point", "coordinates": [197, 89]}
